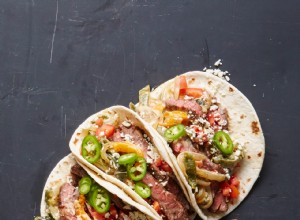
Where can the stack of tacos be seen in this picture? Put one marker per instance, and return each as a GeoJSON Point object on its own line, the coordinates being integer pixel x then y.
{"type": "Point", "coordinates": [193, 145]}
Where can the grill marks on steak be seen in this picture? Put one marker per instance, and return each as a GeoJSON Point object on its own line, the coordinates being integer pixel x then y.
{"type": "Point", "coordinates": [170, 203]}
{"type": "Point", "coordinates": [209, 165]}
{"type": "Point", "coordinates": [186, 105]}
{"type": "Point", "coordinates": [134, 133]}
{"type": "Point", "coordinates": [219, 203]}
{"type": "Point", "coordinates": [173, 187]}
{"type": "Point", "coordinates": [67, 195]}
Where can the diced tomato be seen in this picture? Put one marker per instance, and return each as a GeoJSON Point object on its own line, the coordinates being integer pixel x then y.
{"type": "Point", "coordinates": [234, 181]}
{"type": "Point", "coordinates": [199, 163]}
{"type": "Point", "coordinates": [211, 118]}
{"type": "Point", "coordinates": [180, 86]}
{"type": "Point", "coordinates": [158, 162]}
{"type": "Point", "coordinates": [156, 206]}
{"type": "Point", "coordinates": [113, 212]}
{"type": "Point", "coordinates": [234, 192]}
{"type": "Point", "coordinates": [99, 122]}
{"type": "Point", "coordinates": [166, 167]}
{"type": "Point", "coordinates": [230, 190]}
{"type": "Point", "coordinates": [107, 129]}
{"type": "Point", "coordinates": [96, 215]}
{"type": "Point", "coordinates": [226, 191]}
{"type": "Point", "coordinates": [182, 82]}
{"type": "Point", "coordinates": [194, 92]}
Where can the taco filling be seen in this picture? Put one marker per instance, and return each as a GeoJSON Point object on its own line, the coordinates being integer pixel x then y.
{"type": "Point", "coordinates": [195, 125]}
{"type": "Point", "coordinates": [123, 150]}
{"type": "Point", "coordinates": [80, 197]}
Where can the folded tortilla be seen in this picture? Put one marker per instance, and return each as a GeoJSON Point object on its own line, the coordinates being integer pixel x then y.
{"type": "Point", "coordinates": [61, 175]}
{"type": "Point", "coordinates": [244, 126]}
{"type": "Point", "coordinates": [119, 115]}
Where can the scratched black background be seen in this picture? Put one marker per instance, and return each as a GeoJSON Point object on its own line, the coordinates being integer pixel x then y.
{"type": "Point", "coordinates": [61, 61]}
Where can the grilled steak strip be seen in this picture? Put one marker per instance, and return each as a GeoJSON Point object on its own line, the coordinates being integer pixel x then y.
{"type": "Point", "coordinates": [67, 195]}
{"type": "Point", "coordinates": [170, 204]}
{"type": "Point", "coordinates": [185, 105]}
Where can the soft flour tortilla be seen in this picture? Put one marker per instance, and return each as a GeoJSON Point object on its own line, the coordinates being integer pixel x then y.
{"type": "Point", "coordinates": [124, 114]}
{"type": "Point", "coordinates": [61, 174]}
{"type": "Point", "coordinates": [244, 126]}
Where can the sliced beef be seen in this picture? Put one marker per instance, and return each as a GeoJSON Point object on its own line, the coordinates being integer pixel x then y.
{"type": "Point", "coordinates": [169, 202]}
{"type": "Point", "coordinates": [219, 203]}
{"type": "Point", "coordinates": [67, 195]}
{"type": "Point", "coordinates": [209, 165]}
{"type": "Point", "coordinates": [158, 174]}
{"type": "Point", "coordinates": [185, 105]}
{"type": "Point", "coordinates": [117, 201]}
{"type": "Point", "coordinates": [174, 188]}
{"type": "Point", "coordinates": [183, 144]}
{"type": "Point", "coordinates": [77, 173]}
{"type": "Point", "coordinates": [132, 132]}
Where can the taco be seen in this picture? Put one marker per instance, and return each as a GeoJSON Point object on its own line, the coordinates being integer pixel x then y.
{"type": "Point", "coordinates": [212, 135]}
{"type": "Point", "coordinates": [73, 192]}
{"type": "Point", "coordinates": [121, 148]}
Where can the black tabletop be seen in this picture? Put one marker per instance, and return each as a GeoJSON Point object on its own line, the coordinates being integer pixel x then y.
{"type": "Point", "coordinates": [61, 61]}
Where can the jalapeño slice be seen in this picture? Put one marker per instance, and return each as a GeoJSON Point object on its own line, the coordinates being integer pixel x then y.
{"type": "Point", "coordinates": [175, 132]}
{"type": "Point", "coordinates": [100, 200]}
{"type": "Point", "coordinates": [137, 170]}
{"type": "Point", "coordinates": [223, 142]}
{"type": "Point", "coordinates": [127, 158]}
{"type": "Point", "coordinates": [85, 185]}
{"type": "Point", "coordinates": [142, 189]}
{"type": "Point", "coordinates": [90, 149]}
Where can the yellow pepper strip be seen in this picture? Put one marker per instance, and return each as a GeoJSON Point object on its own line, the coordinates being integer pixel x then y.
{"type": "Point", "coordinates": [171, 118]}
{"type": "Point", "coordinates": [126, 147]}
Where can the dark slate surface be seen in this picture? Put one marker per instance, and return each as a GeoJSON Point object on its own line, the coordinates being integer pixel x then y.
{"type": "Point", "coordinates": [61, 61]}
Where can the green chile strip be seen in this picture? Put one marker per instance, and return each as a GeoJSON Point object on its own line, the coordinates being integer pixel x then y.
{"type": "Point", "coordinates": [190, 168]}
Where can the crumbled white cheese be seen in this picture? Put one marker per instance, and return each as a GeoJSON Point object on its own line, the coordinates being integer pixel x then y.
{"type": "Point", "coordinates": [128, 137]}
{"type": "Point", "coordinates": [102, 134]}
{"type": "Point", "coordinates": [213, 107]}
{"type": "Point", "coordinates": [218, 63]}
{"type": "Point", "coordinates": [116, 155]}
{"type": "Point", "coordinates": [217, 72]}
{"type": "Point", "coordinates": [214, 100]}
{"type": "Point", "coordinates": [107, 215]}
{"type": "Point", "coordinates": [127, 124]}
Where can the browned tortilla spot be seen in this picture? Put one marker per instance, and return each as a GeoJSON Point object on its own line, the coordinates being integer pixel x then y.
{"type": "Point", "coordinates": [255, 128]}
{"type": "Point", "coordinates": [209, 82]}
{"type": "Point", "coordinates": [78, 134]}
{"type": "Point", "coordinates": [259, 154]}
{"type": "Point", "coordinates": [242, 116]}
{"type": "Point", "coordinates": [230, 89]}
{"type": "Point", "coordinates": [244, 191]}
{"type": "Point", "coordinates": [249, 179]}
{"type": "Point", "coordinates": [249, 157]}
{"type": "Point", "coordinates": [75, 141]}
